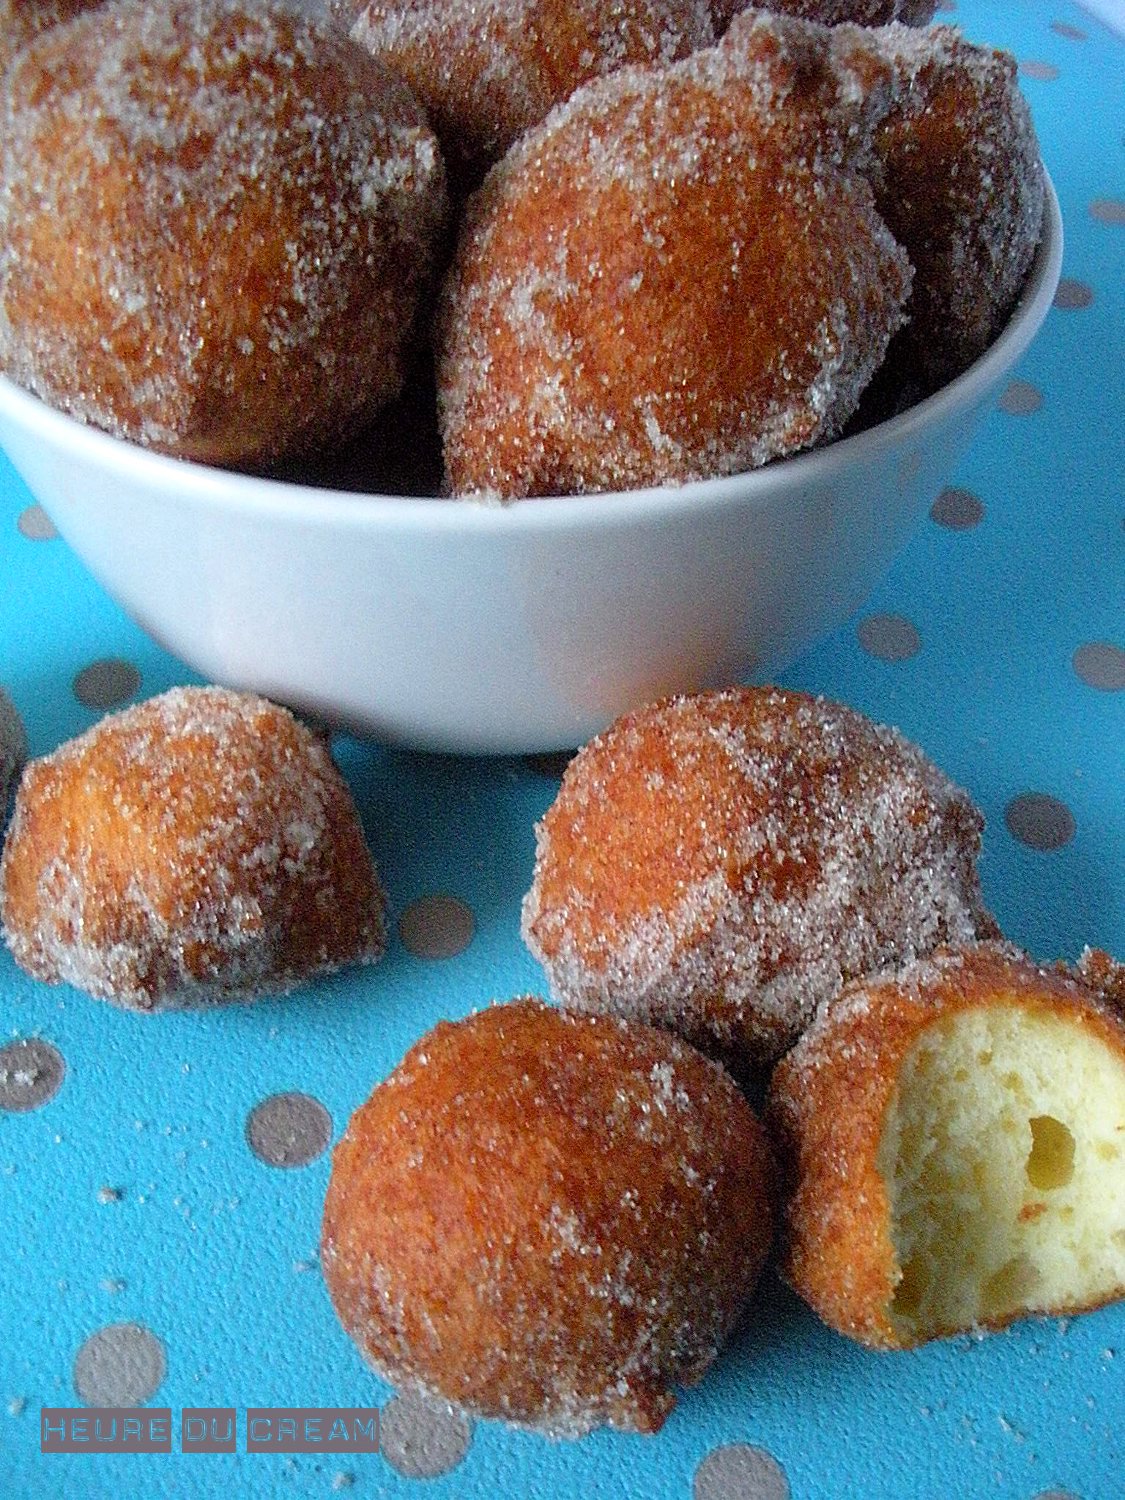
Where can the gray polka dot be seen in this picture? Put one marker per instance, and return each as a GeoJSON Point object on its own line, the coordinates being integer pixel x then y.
{"type": "Point", "coordinates": [1072, 294]}
{"type": "Point", "coordinates": [551, 765]}
{"type": "Point", "coordinates": [960, 510]}
{"type": "Point", "coordinates": [1039, 821]}
{"type": "Point", "coordinates": [107, 683]}
{"type": "Point", "coordinates": [1101, 665]}
{"type": "Point", "coordinates": [422, 1438]}
{"type": "Point", "coordinates": [31, 1072]}
{"type": "Point", "coordinates": [288, 1130]}
{"type": "Point", "coordinates": [1020, 399]}
{"type": "Point", "coordinates": [740, 1472]}
{"type": "Point", "coordinates": [1072, 33]}
{"type": "Point", "coordinates": [1044, 70]}
{"type": "Point", "coordinates": [122, 1365]}
{"type": "Point", "coordinates": [35, 524]}
{"type": "Point", "coordinates": [1108, 210]}
{"type": "Point", "coordinates": [889, 637]}
{"type": "Point", "coordinates": [436, 927]}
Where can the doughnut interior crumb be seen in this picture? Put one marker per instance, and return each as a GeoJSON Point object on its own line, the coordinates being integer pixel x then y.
{"type": "Point", "coordinates": [1003, 1152]}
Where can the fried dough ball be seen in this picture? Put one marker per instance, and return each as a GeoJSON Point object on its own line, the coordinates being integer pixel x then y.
{"type": "Point", "coordinates": [720, 864]}
{"type": "Point", "coordinates": [956, 1138]}
{"type": "Point", "coordinates": [487, 72]}
{"type": "Point", "coordinates": [20, 20]}
{"type": "Point", "coordinates": [199, 846]}
{"type": "Point", "coordinates": [547, 1218]}
{"type": "Point", "coordinates": [215, 220]}
{"type": "Point", "coordinates": [833, 12]}
{"type": "Point", "coordinates": [675, 276]}
{"type": "Point", "coordinates": [958, 179]}
{"type": "Point", "coordinates": [13, 748]}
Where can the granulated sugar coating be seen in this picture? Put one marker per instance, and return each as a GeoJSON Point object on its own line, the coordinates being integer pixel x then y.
{"type": "Point", "coordinates": [958, 179]}
{"type": "Point", "coordinates": [20, 20]}
{"type": "Point", "coordinates": [678, 275]}
{"type": "Point", "coordinates": [547, 1218]}
{"type": "Point", "coordinates": [488, 71]}
{"type": "Point", "coordinates": [834, 12]}
{"type": "Point", "coordinates": [199, 846]}
{"type": "Point", "coordinates": [721, 864]}
{"type": "Point", "coordinates": [13, 748]}
{"type": "Point", "coordinates": [215, 220]}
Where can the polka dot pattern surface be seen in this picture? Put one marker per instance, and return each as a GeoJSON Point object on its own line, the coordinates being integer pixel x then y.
{"type": "Point", "coordinates": [1073, 294]}
{"type": "Point", "coordinates": [31, 1073]}
{"type": "Point", "coordinates": [1020, 399]}
{"type": "Point", "coordinates": [1039, 821]}
{"type": "Point", "coordinates": [738, 1471]}
{"type": "Point", "coordinates": [106, 684]}
{"type": "Point", "coordinates": [162, 1178]}
{"type": "Point", "coordinates": [889, 637]}
{"type": "Point", "coordinates": [36, 525]}
{"type": "Point", "coordinates": [960, 510]}
{"type": "Point", "coordinates": [436, 927]}
{"type": "Point", "coordinates": [288, 1130]}
{"type": "Point", "coordinates": [422, 1438]}
{"type": "Point", "coordinates": [1101, 665]}
{"type": "Point", "coordinates": [122, 1365]}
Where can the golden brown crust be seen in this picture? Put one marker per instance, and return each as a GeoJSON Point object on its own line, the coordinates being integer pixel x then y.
{"type": "Point", "coordinates": [216, 217]}
{"type": "Point", "coordinates": [199, 846]}
{"type": "Point", "coordinates": [487, 72]}
{"type": "Point", "coordinates": [958, 180]}
{"type": "Point", "coordinates": [719, 864]}
{"type": "Point", "coordinates": [21, 20]}
{"type": "Point", "coordinates": [833, 12]}
{"type": "Point", "coordinates": [676, 276]}
{"type": "Point", "coordinates": [1104, 974]}
{"type": "Point", "coordinates": [828, 1101]}
{"type": "Point", "coordinates": [548, 1218]}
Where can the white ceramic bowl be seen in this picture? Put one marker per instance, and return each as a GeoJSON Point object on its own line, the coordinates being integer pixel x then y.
{"type": "Point", "coordinates": [465, 627]}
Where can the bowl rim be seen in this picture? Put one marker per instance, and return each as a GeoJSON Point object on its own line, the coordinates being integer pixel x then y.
{"type": "Point", "coordinates": [209, 487]}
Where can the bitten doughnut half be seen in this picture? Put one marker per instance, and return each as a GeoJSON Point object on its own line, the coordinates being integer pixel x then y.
{"type": "Point", "coordinates": [720, 864]}
{"type": "Point", "coordinates": [200, 846]}
{"type": "Point", "coordinates": [833, 12]}
{"type": "Point", "coordinates": [958, 179]}
{"type": "Point", "coordinates": [487, 72]}
{"type": "Point", "coordinates": [955, 1137]}
{"type": "Point", "coordinates": [675, 276]}
{"type": "Point", "coordinates": [216, 217]}
{"type": "Point", "coordinates": [13, 748]}
{"type": "Point", "coordinates": [546, 1218]}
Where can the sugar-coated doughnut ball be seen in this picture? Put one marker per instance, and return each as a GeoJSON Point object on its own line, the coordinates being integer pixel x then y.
{"type": "Point", "coordinates": [958, 179]}
{"type": "Point", "coordinates": [20, 20]}
{"type": "Point", "coordinates": [954, 1139]}
{"type": "Point", "coordinates": [720, 864]}
{"type": "Point", "coordinates": [487, 70]}
{"type": "Point", "coordinates": [676, 276]}
{"type": "Point", "coordinates": [833, 12]}
{"type": "Point", "coordinates": [216, 217]}
{"type": "Point", "coordinates": [547, 1218]}
{"type": "Point", "coordinates": [13, 748]}
{"type": "Point", "coordinates": [199, 846]}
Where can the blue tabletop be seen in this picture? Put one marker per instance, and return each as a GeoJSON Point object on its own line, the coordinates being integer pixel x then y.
{"type": "Point", "coordinates": [152, 1250]}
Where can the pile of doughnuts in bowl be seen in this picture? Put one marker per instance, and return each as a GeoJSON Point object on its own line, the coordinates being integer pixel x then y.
{"type": "Point", "coordinates": [640, 242]}
{"type": "Point", "coordinates": [557, 1215]}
